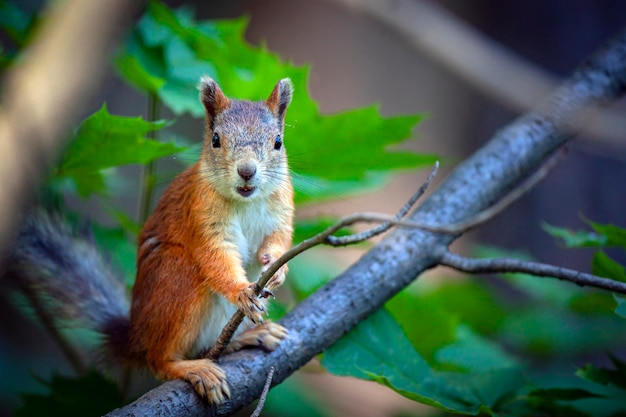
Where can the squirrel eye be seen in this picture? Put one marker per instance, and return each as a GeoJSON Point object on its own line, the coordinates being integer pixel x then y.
{"type": "Point", "coordinates": [278, 143]}
{"type": "Point", "coordinates": [216, 141]}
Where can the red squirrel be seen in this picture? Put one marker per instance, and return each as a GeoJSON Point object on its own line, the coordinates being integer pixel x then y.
{"type": "Point", "coordinates": [218, 225]}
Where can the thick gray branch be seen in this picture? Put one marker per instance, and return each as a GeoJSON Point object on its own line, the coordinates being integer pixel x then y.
{"type": "Point", "coordinates": [480, 181]}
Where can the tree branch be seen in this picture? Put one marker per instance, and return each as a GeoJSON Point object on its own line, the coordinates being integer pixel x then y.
{"type": "Point", "coordinates": [482, 179]}
{"type": "Point", "coordinates": [504, 265]}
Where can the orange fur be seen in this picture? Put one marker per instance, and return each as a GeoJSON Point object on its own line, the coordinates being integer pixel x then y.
{"type": "Point", "coordinates": [193, 257]}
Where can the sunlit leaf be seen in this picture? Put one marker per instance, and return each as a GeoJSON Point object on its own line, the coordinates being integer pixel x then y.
{"type": "Point", "coordinates": [331, 156]}
{"type": "Point", "coordinates": [103, 141]}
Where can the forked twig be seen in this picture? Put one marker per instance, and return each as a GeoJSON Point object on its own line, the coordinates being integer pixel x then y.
{"type": "Point", "coordinates": [326, 237]}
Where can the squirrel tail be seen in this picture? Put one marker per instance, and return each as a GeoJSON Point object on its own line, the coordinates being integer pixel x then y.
{"type": "Point", "coordinates": [65, 271]}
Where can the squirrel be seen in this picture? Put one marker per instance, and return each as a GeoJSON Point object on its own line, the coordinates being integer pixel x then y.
{"type": "Point", "coordinates": [221, 222]}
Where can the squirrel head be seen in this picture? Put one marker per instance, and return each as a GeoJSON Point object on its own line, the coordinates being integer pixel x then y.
{"type": "Point", "coordinates": [244, 157]}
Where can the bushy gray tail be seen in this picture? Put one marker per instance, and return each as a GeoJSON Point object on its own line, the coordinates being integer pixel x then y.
{"type": "Point", "coordinates": [65, 271]}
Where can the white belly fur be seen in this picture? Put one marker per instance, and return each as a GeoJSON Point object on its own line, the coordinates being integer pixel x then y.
{"type": "Point", "coordinates": [249, 226]}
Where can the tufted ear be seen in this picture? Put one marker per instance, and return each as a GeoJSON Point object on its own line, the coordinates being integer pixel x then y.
{"type": "Point", "coordinates": [212, 98]}
{"type": "Point", "coordinates": [280, 98]}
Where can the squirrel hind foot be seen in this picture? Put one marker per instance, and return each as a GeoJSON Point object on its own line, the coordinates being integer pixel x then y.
{"type": "Point", "coordinates": [267, 336]}
{"type": "Point", "coordinates": [204, 375]}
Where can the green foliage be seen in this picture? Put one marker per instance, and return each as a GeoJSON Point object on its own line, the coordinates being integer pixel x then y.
{"type": "Point", "coordinates": [106, 141]}
{"type": "Point", "coordinates": [377, 349]}
{"type": "Point", "coordinates": [330, 155]}
{"type": "Point", "coordinates": [90, 395]}
{"type": "Point", "coordinates": [603, 376]}
{"type": "Point", "coordinates": [604, 235]}
{"type": "Point", "coordinates": [431, 335]}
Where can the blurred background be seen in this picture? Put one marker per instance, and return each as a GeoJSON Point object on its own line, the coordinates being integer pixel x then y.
{"type": "Point", "coordinates": [357, 58]}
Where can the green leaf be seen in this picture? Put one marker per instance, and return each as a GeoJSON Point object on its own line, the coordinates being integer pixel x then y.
{"type": "Point", "coordinates": [104, 141]}
{"type": "Point", "coordinates": [378, 350]}
{"type": "Point", "coordinates": [620, 310]}
{"type": "Point", "coordinates": [575, 239]}
{"type": "Point", "coordinates": [592, 302]}
{"type": "Point", "coordinates": [441, 310]}
{"type": "Point", "coordinates": [474, 353]}
{"type": "Point", "coordinates": [602, 265]}
{"type": "Point", "coordinates": [604, 376]}
{"type": "Point", "coordinates": [605, 235]}
{"type": "Point", "coordinates": [436, 327]}
{"type": "Point", "coordinates": [615, 236]}
{"type": "Point", "coordinates": [353, 143]}
{"type": "Point", "coordinates": [90, 395]}
{"type": "Point", "coordinates": [309, 188]}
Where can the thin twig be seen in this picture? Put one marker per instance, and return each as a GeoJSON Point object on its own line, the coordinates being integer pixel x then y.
{"type": "Point", "coordinates": [266, 389]}
{"type": "Point", "coordinates": [321, 238]}
{"type": "Point", "coordinates": [504, 265]}
{"type": "Point", "coordinates": [368, 234]}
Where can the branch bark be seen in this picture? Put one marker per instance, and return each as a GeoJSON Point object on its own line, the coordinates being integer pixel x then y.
{"type": "Point", "coordinates": [484, 178]}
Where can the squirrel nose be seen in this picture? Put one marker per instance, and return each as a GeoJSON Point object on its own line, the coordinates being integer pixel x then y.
{"type": "Point", "coordinates": [246, 171]}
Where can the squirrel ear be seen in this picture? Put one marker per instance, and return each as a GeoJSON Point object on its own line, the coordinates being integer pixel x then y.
{"type": "Point", "coordinates": [280, 98]}
{"type": "Point", "coordinates": [212, 97]}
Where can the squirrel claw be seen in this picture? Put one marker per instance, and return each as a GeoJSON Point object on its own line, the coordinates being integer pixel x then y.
{"type": "Point", "coordinates": [251, 305]}
{"type": "Point", "coordinates": [266, 293]}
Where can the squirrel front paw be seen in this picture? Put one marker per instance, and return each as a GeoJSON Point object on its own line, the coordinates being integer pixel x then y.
{"type": "Point", "coordinates": [251, 305]}
{"type": "Point", "coordinates": [278, 278]}
{"type": "Point", "coordinates": [268, 336]}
